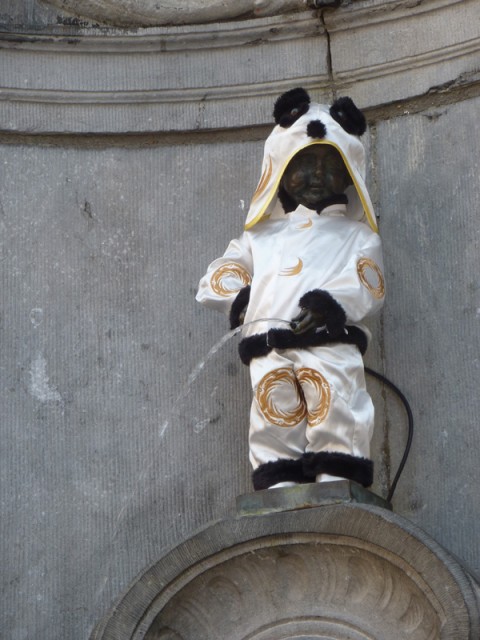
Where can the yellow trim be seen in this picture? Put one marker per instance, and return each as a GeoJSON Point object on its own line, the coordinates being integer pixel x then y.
{"type": "Point", "coordinates": [370, 217]}
{"type": "Point", "coordinates": [262, 185]}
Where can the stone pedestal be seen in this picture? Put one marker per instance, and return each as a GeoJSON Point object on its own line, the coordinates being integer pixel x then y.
{"type": "Point", "coordinates": [337, 571]}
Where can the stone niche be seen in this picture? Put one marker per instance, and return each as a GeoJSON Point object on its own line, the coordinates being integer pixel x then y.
{"type": "Point", "coordinates": [338, 572]}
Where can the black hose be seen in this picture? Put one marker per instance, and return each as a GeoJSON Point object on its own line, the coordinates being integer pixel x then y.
{"type": "Point", "coordinates": [403, 461]}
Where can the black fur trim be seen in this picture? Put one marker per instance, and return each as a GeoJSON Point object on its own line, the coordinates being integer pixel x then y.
{"type": "Point", "coordinates": [253, 347]}
{"type": "Point", "coordinates": [286, 339]}
{"type": "Point", "coordinates": [290, 106]}
{"type": "Point", "coordinates": [338, 464]}
{"type": "Point", "coordinates": [287, 202]}
{"type": "Point", "coordinates": [316, 129]}
{"type": "Point", "coordinates": [327, 310]}
{"type": "Point", "coordinates": [349, 116]}
{"type": "Point", "coordinates": [283, 470]}
{"type": "Point", "coordinates": [261, 344]}
{"type": "Point", "coordinates": [239, 306]}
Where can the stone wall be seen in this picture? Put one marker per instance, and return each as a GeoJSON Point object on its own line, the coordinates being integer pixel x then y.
{"type": "Point", "coordinates": [129, 157]}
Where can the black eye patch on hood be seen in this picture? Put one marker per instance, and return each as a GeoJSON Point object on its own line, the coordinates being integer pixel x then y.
{"type": "Point", "coordinates": [290, 106]}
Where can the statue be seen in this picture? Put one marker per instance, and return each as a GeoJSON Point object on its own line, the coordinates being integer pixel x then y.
{"type": "Point", "coordinates": [302, 277]}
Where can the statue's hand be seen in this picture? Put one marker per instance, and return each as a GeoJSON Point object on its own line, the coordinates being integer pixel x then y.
{"type": "Point", "coordinates": [306, 320]}
{"type": "Point", "coordinates": [319, 309]}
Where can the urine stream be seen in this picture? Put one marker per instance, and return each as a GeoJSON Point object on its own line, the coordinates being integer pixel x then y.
{"type": "Point", "coordinates": [178, 402]}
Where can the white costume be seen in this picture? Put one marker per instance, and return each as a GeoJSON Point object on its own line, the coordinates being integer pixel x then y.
{"type": "Point", "coordinates": [311, 415]}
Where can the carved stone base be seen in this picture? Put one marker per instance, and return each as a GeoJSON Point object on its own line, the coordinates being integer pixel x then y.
{"type": "Point", "coordinates": [340, 571]}
{"type": "Point", "coordinates": [305, 496]}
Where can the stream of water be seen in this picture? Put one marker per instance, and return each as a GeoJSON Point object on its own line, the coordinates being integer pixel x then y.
{"type": "Point", "coordinates": [179, 400]}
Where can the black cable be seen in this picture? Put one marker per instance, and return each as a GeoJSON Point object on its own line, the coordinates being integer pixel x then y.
{"type": "Point", "coordinates": [403, 461]}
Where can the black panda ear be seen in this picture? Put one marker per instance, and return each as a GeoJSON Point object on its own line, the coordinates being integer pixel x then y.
{"type": "Point", "coordinates": [290, 106]}
{"type": "Point", "coordinates": [349, 116]}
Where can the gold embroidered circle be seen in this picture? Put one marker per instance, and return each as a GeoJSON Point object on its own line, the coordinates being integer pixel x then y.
{"type": "Point", "coordinates": [317, 392]}
{"type": "Point", "coordinates": [365, 267]}
{"type": "Point", "coordinates": [229, 270]}
{"type": "Point", "coordinates": [280, 398]}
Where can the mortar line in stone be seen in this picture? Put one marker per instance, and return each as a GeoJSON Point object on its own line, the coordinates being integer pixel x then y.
{"type": "Point", "coordinates": [386, 450]}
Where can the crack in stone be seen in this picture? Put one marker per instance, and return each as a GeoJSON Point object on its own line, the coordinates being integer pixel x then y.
{"type": "Point", "coordinates": [329, 56]}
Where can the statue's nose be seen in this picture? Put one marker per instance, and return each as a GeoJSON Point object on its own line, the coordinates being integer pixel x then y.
{"type": "Point", "coordinates": [318, 173]}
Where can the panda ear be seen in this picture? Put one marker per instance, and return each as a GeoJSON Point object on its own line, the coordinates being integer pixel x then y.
{"type": "Point", "coordinates": [290, 106]}
{"type": "Point", "coordinates": [349, 116]}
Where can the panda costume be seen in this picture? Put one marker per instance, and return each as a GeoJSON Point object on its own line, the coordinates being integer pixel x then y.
{"type": "Point", "coordinates": [311, 418]}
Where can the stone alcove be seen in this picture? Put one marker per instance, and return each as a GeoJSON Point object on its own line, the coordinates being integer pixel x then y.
{"type": "Point", "coordinates": [339, 571]}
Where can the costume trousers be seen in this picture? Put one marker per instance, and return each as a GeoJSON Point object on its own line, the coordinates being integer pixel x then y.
{"type": "Point", "coordinates": [309, 400]}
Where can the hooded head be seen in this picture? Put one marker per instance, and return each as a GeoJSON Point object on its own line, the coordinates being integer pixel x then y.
{"type": "Point", "coordinates": [301, 124]}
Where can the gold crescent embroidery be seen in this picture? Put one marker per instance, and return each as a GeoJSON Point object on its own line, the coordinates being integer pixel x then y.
{"type": "Point", "coordinates": [293, 271]}
{"type": "Point", "coordinates": [229, 270]}
{"type": "Point", "coordinates": [365, 266]}
{"type": "Point", "coordinates": [316, 391]}
{"type": "Point", "coordinates": [306, 225]}
{"type": "Point", "coordinates": [280, 398]}
{"type": "Point", "coordinates": [264, 180]}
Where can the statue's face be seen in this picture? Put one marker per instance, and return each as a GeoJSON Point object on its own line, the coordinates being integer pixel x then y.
{"type": "Point", "coordinates": [315, 174]}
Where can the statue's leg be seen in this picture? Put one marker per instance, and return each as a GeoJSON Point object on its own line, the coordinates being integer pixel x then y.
{"type": "Point", "coordinates": [340, 413]}
{"type": "Point", "coordinates": [278, 420]}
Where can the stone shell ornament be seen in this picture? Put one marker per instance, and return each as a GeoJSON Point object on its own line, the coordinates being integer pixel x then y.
{"type": "Point", "coordinates": [338, 571]}
{"type": "Point", "coordinates": [150, 13]}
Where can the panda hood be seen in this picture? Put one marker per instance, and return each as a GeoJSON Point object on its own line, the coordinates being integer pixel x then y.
{"type": "Point", "coordinates": [301, 124]}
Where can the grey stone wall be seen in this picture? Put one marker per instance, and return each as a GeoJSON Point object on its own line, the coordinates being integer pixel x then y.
{"type": "Point", "coordinates": [429, 202]}
{"type": "Point", "coordinates": [120, 182]}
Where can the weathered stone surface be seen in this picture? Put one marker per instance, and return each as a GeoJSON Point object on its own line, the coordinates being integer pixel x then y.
{"type": "Point", "coordinates": [306, 496]}
{"type": "Point", "coordinates": [427, 176]}
{"type": "Point", "coordinates": [336, 571]}
{"type": "Point", "coordinates": [142, 13]}
{"type": "Point", "coordinates": [402, 48]}
{"type": "Point", "coordinates": [172, 79]}
{"type": "Point", "coordinates": [227, 74]}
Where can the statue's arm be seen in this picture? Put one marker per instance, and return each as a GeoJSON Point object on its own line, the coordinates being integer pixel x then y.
{"type": "Point", "coordinates": [226, 284]}
{"type": "Point", "coordinates": [353, 294]}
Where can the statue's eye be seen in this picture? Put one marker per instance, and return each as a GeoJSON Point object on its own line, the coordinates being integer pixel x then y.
{"type": "Point", "coordinates": [295, 111]}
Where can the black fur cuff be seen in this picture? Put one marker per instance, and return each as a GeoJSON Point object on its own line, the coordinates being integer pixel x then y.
{"type": "Point", "coordinates": [239, 306]}
{"type": "Point", "coordinates": [283, 470]}
{"type": "Point", "coordinates": [338, 464]}
{"type": "Point", "coordinates": [253, 347]}
{"type": "Point", "coordinates": [305, 469]}
{"type": "Point", "coordinates": [326, 308]}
